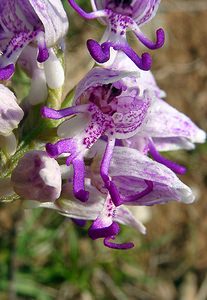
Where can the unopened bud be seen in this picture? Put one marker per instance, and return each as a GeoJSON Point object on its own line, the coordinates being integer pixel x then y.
{"type": "Point", "coordinates": [37, 177]}
{"type": "Point", "coordinates": [10, 112]}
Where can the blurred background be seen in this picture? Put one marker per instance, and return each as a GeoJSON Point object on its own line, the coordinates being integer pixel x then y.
{"type": "Point", "coordinates": [43, 256]}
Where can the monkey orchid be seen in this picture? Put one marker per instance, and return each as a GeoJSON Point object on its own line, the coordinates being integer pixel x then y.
{"type": "Point", "coordinates": [22, 22]}
{"type": "Point", "coordinates": [107, 104]}
{"type": "Point", "coordinates": [130, 170]}
{"type": "Point", "coordinates": [120, 16]}
{"type": "Point", "coordinates": [140, 181]}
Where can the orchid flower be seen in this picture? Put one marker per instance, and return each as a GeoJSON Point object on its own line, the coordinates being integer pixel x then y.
{"type": "Point", "coordinates": [130, 170]}
{"type": "Point", "coordinates": [10, 116]}
{"type": "Point", "coordinates": [23, 22]}
{"type": "Point", "coordinates": [97, 209]}
{"type": "Point", "coordinates": [166, 128]}
{"type": "Point", "coordinates": [120, 16]}
{"type": "Point", "coordinates": [107, 104]}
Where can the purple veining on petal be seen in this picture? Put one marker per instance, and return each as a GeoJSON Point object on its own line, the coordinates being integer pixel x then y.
{"type": "Point", "coordinates": [111, 187]}
{"type": "Point", "coordinates": [148, 11]}
{"type": "Point", "coordinates": [170, 164]}
{"type": "Point", "coordinates": [120, 7]}
{"type": "Point", "coordinates": [131, 180]}
{"type": "Point", "coordinates": [137, 196]}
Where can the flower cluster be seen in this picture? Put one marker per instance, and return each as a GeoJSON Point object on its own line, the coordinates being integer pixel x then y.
{"type": "Point", "coordinates": [115, 129]}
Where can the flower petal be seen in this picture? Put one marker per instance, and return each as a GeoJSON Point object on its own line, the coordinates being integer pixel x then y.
{"type": "Point", "coordinates": [53, 17]}
{"type": "Point", "coordinates": [172, 143]}
{"type": "Point", "coordinates": [174, 123]}
{"type": "Point", "coordinates": [129, 168]}
{"type": "Point", "coordinates": [145, 10]}
{"type": "Point", "coordinates": [100, 76]}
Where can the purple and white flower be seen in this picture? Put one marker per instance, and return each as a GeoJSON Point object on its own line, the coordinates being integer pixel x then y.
{"type": "Point", "coordinates": [130, 170]}
{"type": "Point", "coordinates": [139, 181]}
{"type": "Point", "coordinates": [10, 116]}
{"type": "Point", "coordinates": [120, 16]}
{"type": "Point", "coordinates": [22, 22]}
{"type": "Point", "coordinates": [107, 104]}
{"type": "Point", "coordinates": [37, 177]}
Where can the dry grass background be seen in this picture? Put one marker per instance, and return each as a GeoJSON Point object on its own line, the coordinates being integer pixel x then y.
{"type": "Point", "coordinates": [44, 257]}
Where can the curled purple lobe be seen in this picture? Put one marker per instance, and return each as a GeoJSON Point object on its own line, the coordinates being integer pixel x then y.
{"type": "Point", "coordinates": [105, 227]}
{"type": "Point", "coordinates": [101, 53]}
